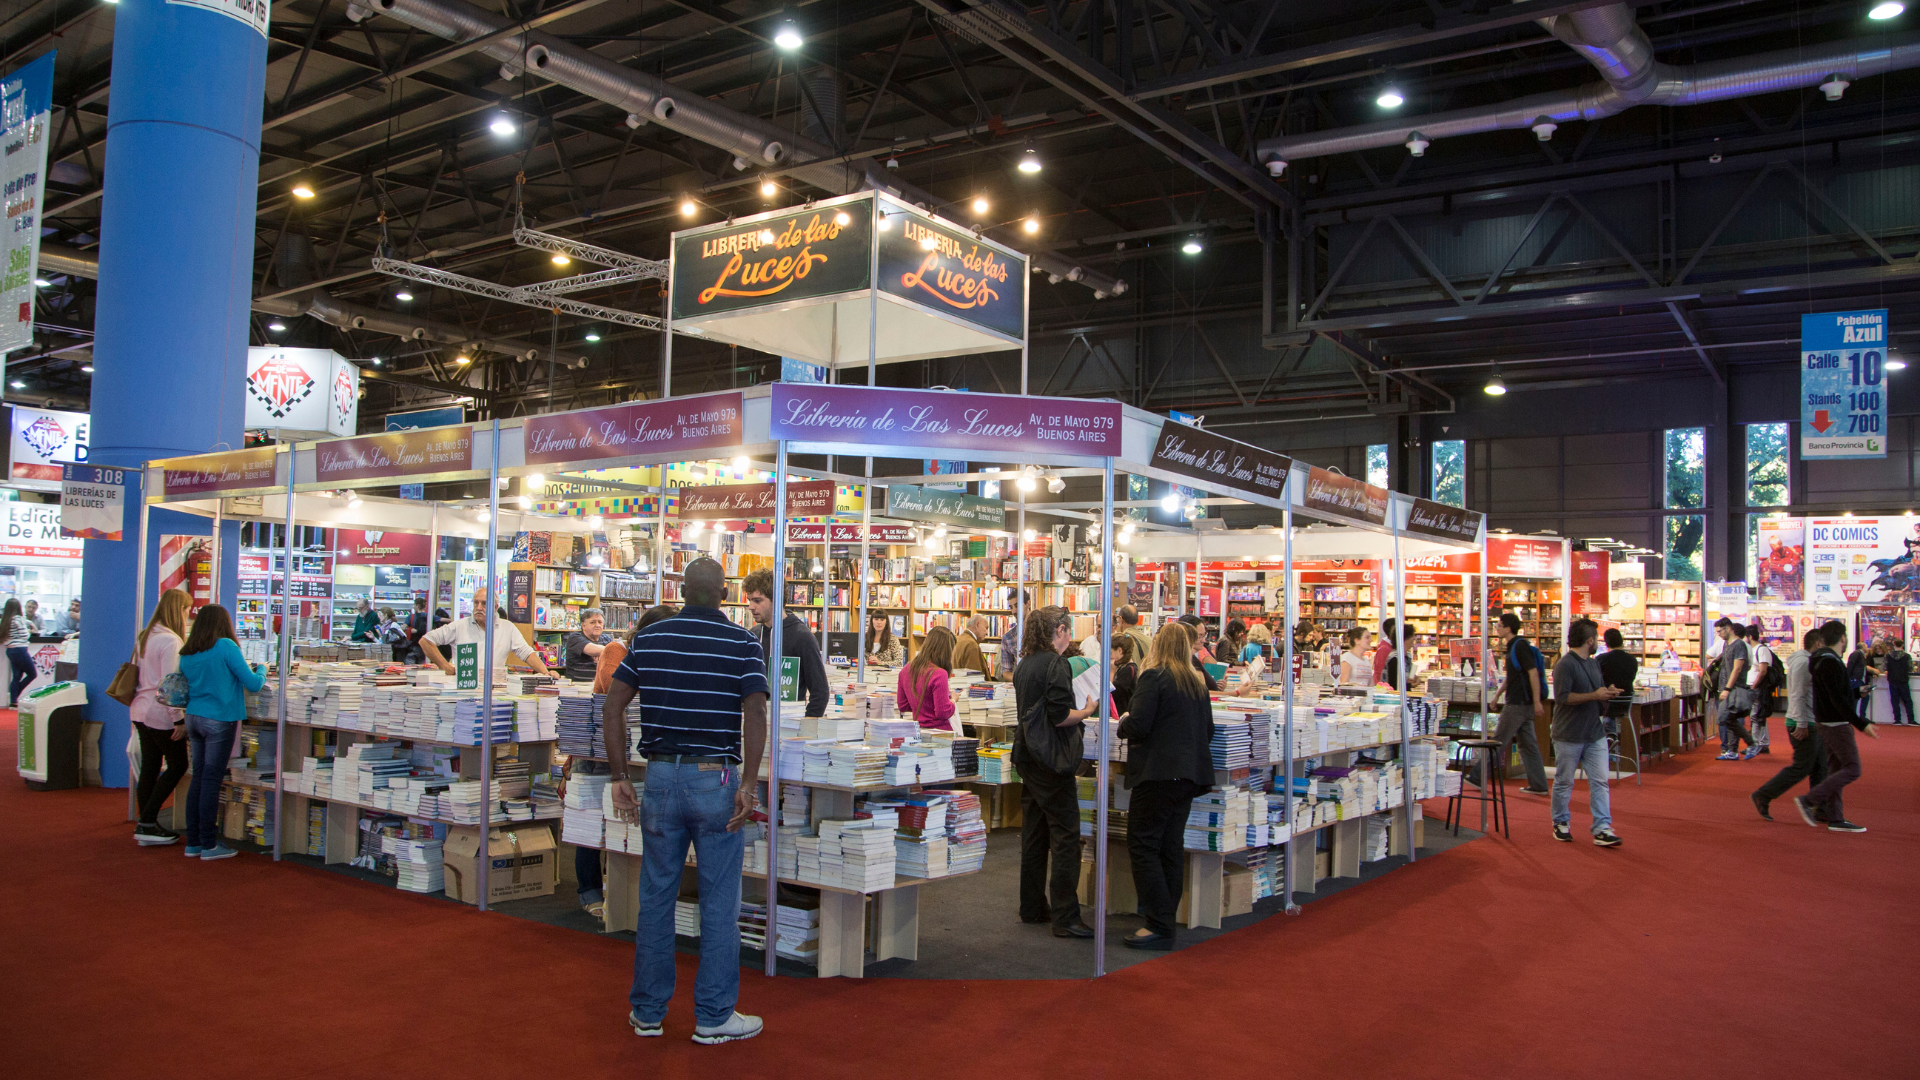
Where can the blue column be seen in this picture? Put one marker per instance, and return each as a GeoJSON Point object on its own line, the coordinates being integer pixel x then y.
{"type": "Point", "coordinates": [176, 269]}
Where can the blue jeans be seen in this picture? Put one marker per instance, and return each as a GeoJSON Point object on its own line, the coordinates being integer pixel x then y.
{"type": "Point", "coordinates": [1590, 757]}
{"type": "Point", "coordinates": [210, 744]}
{"type": "Point", "coordinates": [688, 804]}
{"type": "Point", "coordinates": [22, 662]}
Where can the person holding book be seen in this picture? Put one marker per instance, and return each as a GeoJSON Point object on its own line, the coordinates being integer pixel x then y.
{"type": "Point", "coordinates": [922, 687]}
{"type": "Point", "coordinates": [1049, 800]}
{"type": "Point", "coordinates": [702, 685]}
{"type": "Point", "coordinates": [1169, 733]}
{"type": "Point", "coordinates": [217, 681]}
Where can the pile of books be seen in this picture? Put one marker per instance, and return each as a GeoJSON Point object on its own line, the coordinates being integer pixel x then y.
{"type": "Point", "coordinates": [1218, 820]}
{"type": "Point", "coordinates": [994, 764]}
{"type": "Point", "coordinates": [856, 765]}
{"type": "Point", "coordinates": [577, 726]}
{"type": "Point", "coordinates": [418, 865]}
{"type": "Point", "coordinates": [470, 721]}
{"type": "Point", "coordinates": [1232, 742]}
{"type": "Point", "coordinates": [966, 830]}
{"type": "Point", "coordinates": [832, 728]}
{"type": "Point", "coordinates": [888, 732]}
{"type": "Point", "coordinates": [866, 852]}
{"type": "Point", "coordinates": [796, 931]}
{"type": "Point", "coordinates": [965, 753]}
{"type": "Point", "coordinates": [686, 918]}
{"type": "Point", "coordinates": [536, 718]}
{"type": "Point", "coordinates": [583, 811]}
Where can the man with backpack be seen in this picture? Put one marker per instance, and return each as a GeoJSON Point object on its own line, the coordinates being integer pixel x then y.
{"type": "Point", "coordinates": [1524, 695]}
{"type": "Point", "coordinates": [1765, 682]}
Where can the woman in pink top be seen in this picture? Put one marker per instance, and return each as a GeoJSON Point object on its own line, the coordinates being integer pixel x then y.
{"type": "Point", "coordinates": [923, 683]}
{"type": "Point", "coordinates": [163, 732]}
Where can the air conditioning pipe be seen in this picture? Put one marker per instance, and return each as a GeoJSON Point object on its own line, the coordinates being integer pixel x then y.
{"type": "Point", "coordinates": [644, 98]}
{"type": "Point", "coordinates": [1619, 49]}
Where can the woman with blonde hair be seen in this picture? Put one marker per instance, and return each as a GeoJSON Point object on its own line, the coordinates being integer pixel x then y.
{"type": "Point", "coordinates": [922, 687]}
{"type": "Point", "coordinates": [1169, 733]}
{"type": "Point", "coordinates": [162, 731]}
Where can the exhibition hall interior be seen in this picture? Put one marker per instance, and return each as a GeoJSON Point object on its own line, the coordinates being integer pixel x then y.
{"type": "Point", "coordinates": [844, 535]}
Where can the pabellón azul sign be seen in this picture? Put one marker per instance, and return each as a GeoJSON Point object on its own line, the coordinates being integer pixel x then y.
{"type": "Point", "coordinates": [779, 259]}
{"type": "Point", "coordinates": [1843, 386]}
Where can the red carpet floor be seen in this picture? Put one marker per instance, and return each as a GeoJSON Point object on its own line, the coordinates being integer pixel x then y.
{"type": "Point", "coordinates": [1713, 944]}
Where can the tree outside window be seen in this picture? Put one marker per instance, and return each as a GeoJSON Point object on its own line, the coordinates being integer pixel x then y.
{"type": "Point", "coordinates": [1377, 465]}
{"type": "Point", "coordinates": [1686, 468]}
{"type": "Point", "coordinates": [1767, 460]}
{"type": "Point", "coordinates": [1684, 547]}
{"type": "Point", "coordinates": [1450, 472]}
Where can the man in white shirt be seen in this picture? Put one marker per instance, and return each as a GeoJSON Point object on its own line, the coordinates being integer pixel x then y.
{"type": "Point", "coordinates": [438, 644]}
{"type": "Point", "coordinates": [1758, 670]}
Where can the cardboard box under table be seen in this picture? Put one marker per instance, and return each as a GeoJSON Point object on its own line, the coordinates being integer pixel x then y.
{"type": "Point", "coordinates": [521, 863]}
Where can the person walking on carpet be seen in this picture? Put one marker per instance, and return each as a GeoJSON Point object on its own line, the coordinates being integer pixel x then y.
{"type": "Point", "coordinates": [1809, 757]}
{"type": "Point", "coordinates": [1579, 736]}
{"type": "Point", "coordinates": [1833, 710]}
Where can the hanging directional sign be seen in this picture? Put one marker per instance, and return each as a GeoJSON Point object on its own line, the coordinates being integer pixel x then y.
{"type": "Point", "coordinates": [1843, 392]}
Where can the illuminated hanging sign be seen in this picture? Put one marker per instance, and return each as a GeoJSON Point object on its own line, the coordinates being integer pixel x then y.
{"type": "Point", "coordinates": [777, 259]}
{"type": "Point", "coordinates": [950, 271]}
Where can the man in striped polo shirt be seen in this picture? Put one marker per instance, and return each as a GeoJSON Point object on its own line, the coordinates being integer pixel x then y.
{"type": "Point", "coordinates": [703, 730]}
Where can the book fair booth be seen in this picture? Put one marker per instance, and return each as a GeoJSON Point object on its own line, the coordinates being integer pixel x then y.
{"type": "Point", "coordinates": [349, 757]}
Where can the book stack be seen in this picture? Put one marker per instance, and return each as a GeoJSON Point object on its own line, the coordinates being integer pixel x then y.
{"type": "Point", "coordinates": [521, 684]}
{"type": "Point", "coordinates": [966, 830]}
{"type": "Point", "coordinates": [583, 811]}
{"type": "Point", "coordinates": [316, 776]}
{"type": "Point", "coordinates": [1232, 742]}
{"type": "Point", "coordinates": [317, 829]}
{"type": "Point", "coordinates": [470, 717]}
{"type": "Point", "coordinates": [989, 703]}
{"type": "Point", "coordinates": [920, 856]}
{"type": "Point", "coordinates": [915, 763]}
{"type": "Point", "coordinates": [994, 764]}
{"type": "Point", "coordinates": [535, 717]}
{"type": "Point", "coordinates": [796, 805]}
{"type": "Point", "coordinates": [878, 704]}
{"type": "Point", "coordinates": [805, 863]}
{"type": "Point", "coordinates": [367, 767]}
{"type": "Point", "coordinates": [418, 865]}
{"type": "Point", "coordinates": [856, 765]}
{"type": "Point", "coordinates": [577, 727]}
{"type": "Point", "coordinates": [867, 855]}
{"type": "Point", "coordinates": [890, 732]}
{"type": "Point", "coordinates": [686, 918]}
{"type": "Point", "coordinates": [1218, 820]}
{"type": "Point", "coordinates": [832, 728]}
{"type": "Point", "coordinates": [753, 925]}
{"type": "Point", "coordinates": [336, 703]}
{"type": "Point", "coordinates": [965, 754]}
{"type": "Point", "coordinates": [796, 931]}
{"type": "Point", "coordinates": [461, 802]}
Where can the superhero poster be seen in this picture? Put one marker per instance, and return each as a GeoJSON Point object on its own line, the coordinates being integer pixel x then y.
{"type": "Point", "coordinates": [1780, 559]}
{"type": "Point", "coordinates": [1863, 560]}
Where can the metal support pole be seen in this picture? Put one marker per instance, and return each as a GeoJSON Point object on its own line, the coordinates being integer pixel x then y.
{"type": "Point", "coordinates": [139, 621]}
{"type": "Point", "coordinates": [213, 584]}
{"type": "Point", "coordinates": [666, 344]}
{"type": "Point", "coordinates": [860, 571]}
{"type": "Point", "coordinates": [481, 858]}
{"type": "Point", "coordinates": [1026, 304]}
{"type": "Point", "coordinates": [1400, 635]}
{"type": "Point", "coordinates": [1487, 728]}
{"type": "Point", "coordinates": [1020, 583]}
{"type": "Point", "coordinates": [660, 544]}
{"type": "Point", "coordinates": [773, 681]}
{"type": "Point", "coordinates": [1104, 780]}
{"type": "Point", "coordinates": [283, 661]}
{"type": "Point", "coordinates": [1286, 736]}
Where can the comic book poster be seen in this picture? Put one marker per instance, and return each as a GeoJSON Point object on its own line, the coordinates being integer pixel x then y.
{"type": "Point", "coordinates": [1881, 622]}
{"type": "Point", "coordinates": [1780, 559]}
{"type": "Point", "coordinates": [1863, 560]}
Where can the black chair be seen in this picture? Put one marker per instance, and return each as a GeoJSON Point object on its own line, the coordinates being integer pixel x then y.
{"type": "Point", "coordinates": [1484, 761]}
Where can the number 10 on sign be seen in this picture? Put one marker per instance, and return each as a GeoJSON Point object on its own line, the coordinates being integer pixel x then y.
{"type": "Point", "coordinates": [1843, 393]}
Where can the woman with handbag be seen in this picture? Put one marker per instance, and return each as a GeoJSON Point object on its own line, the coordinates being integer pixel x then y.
{"type": "Point", "coordinates": [923, 689]}
{"type": "Point", "coordinates": [1046, 749]}
{"type": "Point", "coordinates": [18, 634]}
{"type": "Point", "coordinates": [1169, 733]}
{"type": "Point", "coordinates": [217, 678]}
{"type": "Point", "coordinates": [162, 731]}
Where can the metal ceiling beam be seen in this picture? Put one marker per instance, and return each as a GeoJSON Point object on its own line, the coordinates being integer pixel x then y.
{"type": "Point", "coordinates": [1345, 48]}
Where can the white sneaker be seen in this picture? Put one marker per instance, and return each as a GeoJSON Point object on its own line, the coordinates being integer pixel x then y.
{"type": "Point", "coordinates": [736, 1028]}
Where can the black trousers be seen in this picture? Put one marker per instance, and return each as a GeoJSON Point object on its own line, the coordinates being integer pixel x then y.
{"type": "Point", "coordinates": [1843, 768]}
{"type": "Point", "coordinates": [157, 747]}
{"type": "Point", "coordinates": [1809, 762]}
{"type": "Point", "coordinates": [1050, 825]}
{"type": "Point", "coordinates": [1156, 829]}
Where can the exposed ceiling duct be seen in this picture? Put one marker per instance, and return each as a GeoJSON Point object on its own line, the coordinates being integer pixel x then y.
{"type": "Point", "coordinates": [755, 143]}
{"type": "Point", "coordinates": [1614, 44]}
{"type": "Point", "coordinates": [322, 305]}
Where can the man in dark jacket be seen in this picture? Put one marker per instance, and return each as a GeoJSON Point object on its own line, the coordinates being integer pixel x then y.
{"type": "Point", "coordinates": [795, 640]}
{"type": "Point", "coordinates": [1833, 710]}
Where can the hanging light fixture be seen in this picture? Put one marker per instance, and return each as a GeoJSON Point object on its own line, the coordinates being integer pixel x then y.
{"type": "Point", "coordinates": [502, 125]}
{"type": "Point", "coordinates": [1193, 245]}
{"type": "Point", "coordinates": [1029, 160]}
{"type": "Point", "coordinates": [560, 259]}
{"type": "Point", "coordinates": [595, 521]}
{"type": "Point", "coordinates": [688, 208]}
{"type": "Point", "coordinates": [1056, 484]}
{"type": "Point", "coordinates": [402, 295]}
{"type": "Point", "coordinates": [302, 190]}
{"type": "Point", "coordinates": [788, 36]}
{"type": "Point", "coordinates": [1025, 483]}
{"type": "Point", "coordinates": [1889, 10]}
{"type": "Point", "coordinates": [1496, 385]}
{"type": "Point", "coordinates": [1031, 225]}
{"type": "Point", "coordinates": [1171, 503]}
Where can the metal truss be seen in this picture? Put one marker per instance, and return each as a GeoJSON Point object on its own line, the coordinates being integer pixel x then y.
{"type": "Point", "coordinates": [428, 275]}
{"type": "Point", "coordinates": [636, 267]}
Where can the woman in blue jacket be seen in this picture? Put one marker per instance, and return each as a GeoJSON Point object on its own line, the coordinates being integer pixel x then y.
{"type": "Point", "coordinates": [217, 678]}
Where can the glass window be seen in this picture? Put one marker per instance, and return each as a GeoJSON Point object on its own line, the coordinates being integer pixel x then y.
{"type": "Point", "coordinates": [1767, 465]}
{"type": "Point", "coordinates": [1684, 547]}
{"type": "Point", "coordinates": [1377, 465]}
{"type": "Point", "coordinates": [1753, 550]}
{"type": "Point", "coordinates": [1450, 472]}
{"type": "Point", "coordinates": [1686, 468]}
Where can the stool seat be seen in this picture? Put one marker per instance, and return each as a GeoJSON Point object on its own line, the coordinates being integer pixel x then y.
{"type": "Point", "coordinates": [1480, 744]}
{"type": "Point", "coordinates": [1492, 787]}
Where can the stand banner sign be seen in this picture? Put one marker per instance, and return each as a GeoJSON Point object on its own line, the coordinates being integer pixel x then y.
{"type": "Point", "coordinates": [945, 507]}
{"type": "Point", "coordinates": [776, 259]}
{"type": "Point", "coordinates": [373, 547]}
{"type": "Point", "coordinates": [1589, 583]}
{"type": "Point", "coordinates": [395, 453]}
{"type": "Point", "coordinates": [1627, 591]}
{"type": "Point", "coordinates": [211, 474]}
{"type": "Point", "coordinates": [1443, 522]}
{"type": "Point", "coordinates": [641, 427]}
{"type": "Point", "coordinates": [943, 420]}
{"type": "Point", "coordinates": [93, 502]}
{"type": "Point", "coordinates": [466, 664]}
{"type": "Point", "coordinates": [520, 594]}
{"type": "Point", "coordinates": [952, 272]}
{"type": "Point", "coordinates": [26, 101]}
{"type": "Point", "coordinates": [1219, 462]}
{"type": "Point", "coordinates": [425, 418]}
{"type": "Point", "coordinates": [1344, 496]}
{"type": "Point", "coordinates": [725, 502]}
{"type": "Point", "coordinates": [1843, 393]}
{"type": "Point", "coordinates": [821, 532]}
{"type": "Point", "coordinates": [1522, 556]}
{"type": "Point", "coordinates": [43, 441]}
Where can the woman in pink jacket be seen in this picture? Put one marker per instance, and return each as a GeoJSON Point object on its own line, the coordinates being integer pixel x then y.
{"type": "Point", "coordinates": [923, 683]}
{"type": "Point", "coordinates": [163, 731]}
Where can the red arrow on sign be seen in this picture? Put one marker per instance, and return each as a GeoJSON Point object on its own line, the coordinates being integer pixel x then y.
{"type": "Point", "coordinates": [1820, 421]}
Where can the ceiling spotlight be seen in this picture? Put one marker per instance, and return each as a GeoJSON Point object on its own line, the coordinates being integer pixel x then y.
{"type": "Point", "coordinates": [1026, 482]}
{"type": "Point", "coordinates": [502, 125]}
{"type": "Point", "coordinates": [719, 526]}
{"type": "Point", "coordinates": [1834, 87]}
{"type": "Point", "coordinates": [892, 162]}
{"type": "Point", "coordinates": [767, 187]}
{"type": "Point", "coordinates": [1390, 97]}
{"type": "Point", "coordinates": [376, 361]}
{"type": "Point", "coordinates": [1895, 362]}
{"type": "Point", "coordinates": [1032, 224]}
{"type": "Point", "coordinates": [536, 480]}
{"type": "Point", "coordinates": [353, 498]}
{"type": "Point", "coordinates": [788, 36]}
{"type": "Point", "coordinates": [463, 359]}
{"type": "Point", "coordinates": [692, 528]}
{"type": "Point", "coordinates": [302, 190]}
{"type": "Point", "coordinates": [742, 462]}
{"type": "Point", "coordinates": [1417, 144]}
{"type": "Point", "coordinates": [843, 219]}
{"type": "Point", "coordinates": [1544, 127]}
{"type": "Point", "coordinates": [17, 384]}
{"type": "Point", "coordinates": [930, 242]}
{"type": "Point", "coordinates": [1170, 504]}
{"type": "Point", "coordinates": [1056, 484]}
{"type": "Point", "coordinates": [42, 283]}
{"type": "Point", "coordinates": [526, 502]}
{"type": "Point", "coordinates": [939, 532]}
{"type": "Point", "coordinates": [276, 326]}
{"type": "Point", "coordinates": [980, 204]}
{"type": "Point", "coordinates": [1029, 161]}
{"type": "Point", "coordinates": [88, 368]}
{"type": "Point", "coordinates": [483, 514]}
{"type": "Point", "coordinates": [593, 335]}
{"type": "Point", "coordinates": [1496, 385]}
{"type": "Point", "coordinates": [1890, 9]}
{"type": "Point", "coordinates": [1028, 536]}
{"type": "Point", "coordinates": [595, 521]}
{"type": "Point", "coordinates": [403, 296]}
{"type": "Point", "coordinates": [561, 260]}
{"type": "Point", "coordinates": [1193, 245]}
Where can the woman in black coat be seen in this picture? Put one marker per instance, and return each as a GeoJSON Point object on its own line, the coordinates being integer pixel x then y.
{"type": "Point", "coordinates": [1049, 800]}
{"type": "Point", "coordinates": [1169, 733]}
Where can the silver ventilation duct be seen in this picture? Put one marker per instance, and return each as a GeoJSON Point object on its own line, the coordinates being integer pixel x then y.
{"type": "Point", "coordinates": [1619, 49]}
{"type": "Point", "coordinates": [647, 99]}
{"type": "Point", "coordinates": [59, 259]}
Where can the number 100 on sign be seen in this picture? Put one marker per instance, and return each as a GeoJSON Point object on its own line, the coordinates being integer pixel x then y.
{"type": "Point", "coordinates": [1843, 385]}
